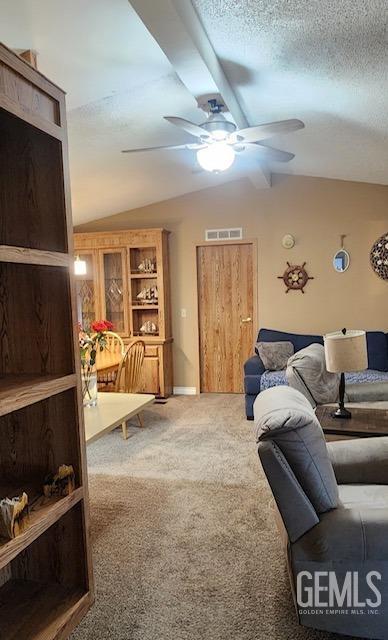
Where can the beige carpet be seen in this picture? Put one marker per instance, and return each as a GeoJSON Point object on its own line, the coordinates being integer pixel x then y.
{"type": "Point", "coordinates": [185, 547]}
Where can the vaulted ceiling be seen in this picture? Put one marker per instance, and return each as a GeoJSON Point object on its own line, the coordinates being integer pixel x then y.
{"type": "Point", "coordinates": [324, 62]}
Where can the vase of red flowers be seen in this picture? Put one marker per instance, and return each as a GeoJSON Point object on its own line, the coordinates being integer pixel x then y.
{"type": "Point", "coordinates": [91, 340]}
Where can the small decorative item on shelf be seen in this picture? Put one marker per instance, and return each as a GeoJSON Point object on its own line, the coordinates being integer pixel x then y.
{"type": "Point", "coordinates": [149, 327]}
{"type": "Point", "coordinates": [295, 277]}
{"type": "Point", "coordinates": [61, 483]}
{"type": "Point", "coordinates": [148, 295]}
{"type": "Point", "coordinates": [91, 340]}
{"type": "Point", "coordinates": [147, 266]}
{"type": "Point", "coordinates": [13, 516]}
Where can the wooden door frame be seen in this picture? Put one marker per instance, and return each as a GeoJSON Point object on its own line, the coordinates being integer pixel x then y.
{"type": "Point", "coordinates": [212, 243]}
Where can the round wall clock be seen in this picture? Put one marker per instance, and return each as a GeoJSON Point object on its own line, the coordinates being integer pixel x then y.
{"type": "Point", "coordinates": [288, 241]}
{"type": "Point", "coordinates": [295, 277]}
{"type": "Point", "coordinates": [379, 257]}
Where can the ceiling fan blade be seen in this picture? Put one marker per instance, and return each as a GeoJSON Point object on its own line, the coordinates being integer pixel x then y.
{"type": "Point", "coordinates": [167, 147]}
{"type": "Point", "coordinates": [263, 131]}
{"type": "Point", "coordinates": [191, 128]}
{"type": "Point", "coordinates": [270, 153]}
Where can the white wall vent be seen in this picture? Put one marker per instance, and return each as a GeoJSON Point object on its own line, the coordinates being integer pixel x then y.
{"type": "Point", "coordinates": [223, 234]}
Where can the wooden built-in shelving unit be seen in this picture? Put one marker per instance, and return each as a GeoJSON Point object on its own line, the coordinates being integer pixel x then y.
{"type": "Point", "coordinates": [46, 583]}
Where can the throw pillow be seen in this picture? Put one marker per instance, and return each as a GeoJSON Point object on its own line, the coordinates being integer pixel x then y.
{"type": "Point", "coordinates": [274, 355]}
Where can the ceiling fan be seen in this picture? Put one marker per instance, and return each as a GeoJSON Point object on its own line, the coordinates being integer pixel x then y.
{"type": "Point", "coordinates": [218, 139]}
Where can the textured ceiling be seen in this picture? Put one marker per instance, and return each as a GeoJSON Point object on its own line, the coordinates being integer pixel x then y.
{"type": "Point", "coordinates": [323, 61]}
{"type": "Point", "coordinates": [119, 84]}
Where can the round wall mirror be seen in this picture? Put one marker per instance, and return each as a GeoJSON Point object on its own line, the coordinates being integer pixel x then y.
{"type": "Point", "coordinates": [341, 261]}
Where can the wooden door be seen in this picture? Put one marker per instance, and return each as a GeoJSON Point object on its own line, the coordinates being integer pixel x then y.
{"type": "Point", "coordinates": [226, 290]}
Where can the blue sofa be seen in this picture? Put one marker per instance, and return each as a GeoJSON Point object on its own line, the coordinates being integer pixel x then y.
{"type": "Point", "coordinates": [256, 378]}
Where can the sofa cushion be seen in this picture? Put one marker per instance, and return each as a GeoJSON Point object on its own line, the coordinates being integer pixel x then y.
{"type": "Point", "coordinates": [284, 415]}
{"type": "Point", "coordinates": [298, 340]}
{"type": "Point", "coordinates": [272, 379]}
{"type": "Point", "coordinates": [275, 355]}
{"type": "Point", "coordinates": [306, 371]}
{"type": "Point", "coordinates": [377, 350]}
{"type": "Point", "coordinates": [360, 496]}
{"type": "Point", "coordinates": [275, 378]}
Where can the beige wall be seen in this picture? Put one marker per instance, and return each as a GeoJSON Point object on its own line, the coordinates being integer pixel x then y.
{"type": "Point", "coordinates": [316, 211]}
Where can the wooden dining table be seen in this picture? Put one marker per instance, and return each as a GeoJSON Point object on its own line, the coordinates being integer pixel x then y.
{"type": "Point", "coordinates": [107, 371]}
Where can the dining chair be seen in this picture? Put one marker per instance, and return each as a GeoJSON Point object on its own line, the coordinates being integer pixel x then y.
{"type": "Point", "coordinates": [129, 374]}
{"type": "Point", "coordinates": [108, 361]}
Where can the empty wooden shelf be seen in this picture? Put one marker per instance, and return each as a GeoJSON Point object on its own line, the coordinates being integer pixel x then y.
{"type": "Point", "coordinates": [46, 581]}
{"type": "Point", "coordinates": [47, 592]}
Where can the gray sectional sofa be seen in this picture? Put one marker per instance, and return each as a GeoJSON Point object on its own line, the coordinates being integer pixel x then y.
{"type": "Point", "coordinates": [333, 506]}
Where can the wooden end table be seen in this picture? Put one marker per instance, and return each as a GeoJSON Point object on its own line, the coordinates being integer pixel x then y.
{"type": "Point", "coordinates": [368, 420]}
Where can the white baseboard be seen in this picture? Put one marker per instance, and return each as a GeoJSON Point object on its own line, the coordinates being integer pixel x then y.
{"type": "Point", "coordinates": [185, 391]}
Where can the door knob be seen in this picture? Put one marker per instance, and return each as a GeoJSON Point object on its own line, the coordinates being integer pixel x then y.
{"type": "Point", "coordinates": [246, 319]}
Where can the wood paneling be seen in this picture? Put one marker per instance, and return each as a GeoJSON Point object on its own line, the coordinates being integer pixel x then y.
{"type": "Point", "coordinates": [226, 289]}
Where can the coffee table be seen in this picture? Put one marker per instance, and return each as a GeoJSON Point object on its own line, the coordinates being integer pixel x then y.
{"type": "Point", "coordinates": [368, 420]}
{"type": "Point", "coordinates": [113, 410]}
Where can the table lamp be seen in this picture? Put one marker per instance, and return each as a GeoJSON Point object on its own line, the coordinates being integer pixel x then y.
{"type": "Point", "coordinates": [345, 351]}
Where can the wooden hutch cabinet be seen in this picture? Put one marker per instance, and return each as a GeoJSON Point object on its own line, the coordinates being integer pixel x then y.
{"type": "Point", "coordinates": [127, 282]}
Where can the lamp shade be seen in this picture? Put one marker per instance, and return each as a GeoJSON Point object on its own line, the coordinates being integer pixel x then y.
{"type": "Point", "coordinates": [346, 352]}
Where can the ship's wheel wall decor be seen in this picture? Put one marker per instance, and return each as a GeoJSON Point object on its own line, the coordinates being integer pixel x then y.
{"type": "Point", "coordinates": [379, 257]}
{"type": "Point", "coordinates": [295, 277]}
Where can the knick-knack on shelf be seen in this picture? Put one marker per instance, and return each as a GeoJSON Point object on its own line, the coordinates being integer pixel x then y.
{"type": "Point", "coordinates": [149, 327]}
{"type": "Point", "coordinates": [148, 295]}
{"type": "Point", "coordinates": [61, 483]}
{"type": "Point", "coordinates": [147, 266]}
{"type": "Point", "coordinates": [13, 516]}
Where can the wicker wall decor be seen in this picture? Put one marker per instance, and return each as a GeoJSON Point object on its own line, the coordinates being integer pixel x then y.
{"type": "Point", "coordinates": [379, 257]}
{"type": "Point", "coordinates": [295, 277]}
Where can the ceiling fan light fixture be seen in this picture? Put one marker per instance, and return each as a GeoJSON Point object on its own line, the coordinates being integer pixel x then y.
{"type": "Point", "coordinates": [218, 156]}
{"type": "Point", "coordinates": [218, 127]}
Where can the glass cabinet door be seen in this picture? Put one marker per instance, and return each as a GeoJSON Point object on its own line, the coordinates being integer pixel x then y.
{"type": "Point", "coordinates": [114, 289]}
{"type": "Point", "coordinates": [86, 290]}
